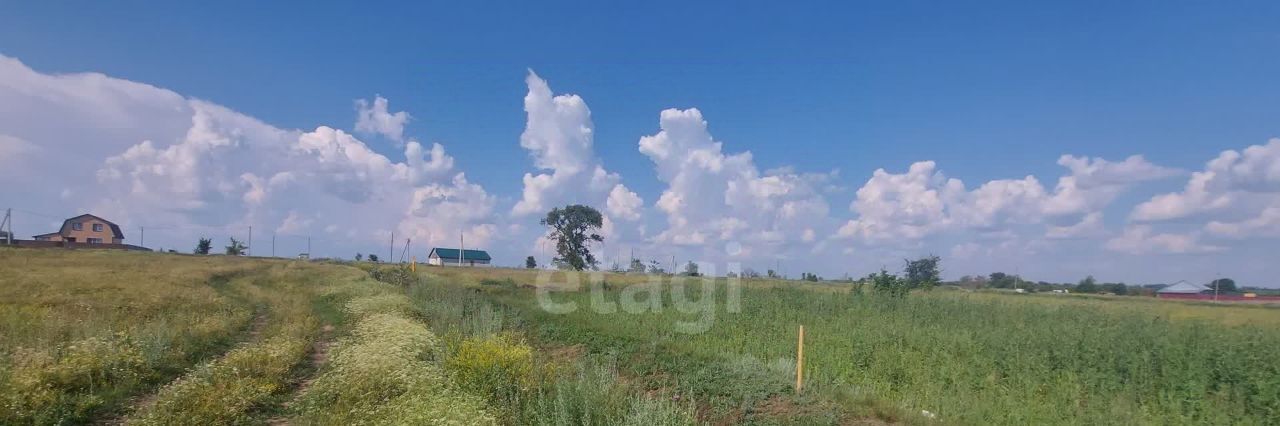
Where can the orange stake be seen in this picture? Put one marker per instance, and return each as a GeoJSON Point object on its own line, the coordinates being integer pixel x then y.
{"type": "Point", "coordinates": [800, 361]}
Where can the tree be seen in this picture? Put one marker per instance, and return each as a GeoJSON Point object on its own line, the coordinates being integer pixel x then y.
{"type": "Point", "coordinates": [530, 263]}
{"type": "Point", "coordinates": [1087, 285]}
{"type": "Point", "coordinates": [203, 246]}
{"type": "Point", "coordinates": [1224, 285]}
{"type": "Point", "coordinates": [1001, 280]}
{"type": "Point", "coordinates": [571, 228]}
{"type": "Point", "coordinates": [637, 266]}
{"type": "Point", "coordinates": [771, 273]}
{"type": "Point", "coordinates": [373, 258]}
{"type": "Point", "coordinates": [750, 273]}
{"type": "Point", "coordinates": [656, 268]}
{"type": "Point", "coordinates": [923, 273]}
{"type": "Point", "coordinates": [236, 248]}
{"type": "Point", "coordinates": [1118, 289]}
{"type": "Point", "coordinates": [691, 269]}
{"type": "Point", "coordinates": [359, 257]}
{"type": "Point", "coordinates": [888, 284]}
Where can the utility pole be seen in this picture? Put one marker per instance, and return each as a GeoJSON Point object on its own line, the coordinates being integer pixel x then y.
{"type": "Point", "coordinates": [8, 220]}
{"type": "Point", "coordinates": [143, 240]}
{"type": "Point", "coordinates": [391, 253]}
{"type": "Point", "coordinates": [249, 249]}
{"type": "Point", "coordinates": [273, 243]}
{"type": "Point", "coordinates": [405, 252]}
{"type": "Point", "coordinates": [308, 247]}
{"type": "Point", "coordinates": [462, 247]}
{"type": "Point", "coordinates": [1215, 286]}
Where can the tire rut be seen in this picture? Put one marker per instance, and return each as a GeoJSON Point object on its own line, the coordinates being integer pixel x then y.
{"type": "Point", "coordinates": [141, 403]}
{"type": "Point", "coordinates": [315, 362]}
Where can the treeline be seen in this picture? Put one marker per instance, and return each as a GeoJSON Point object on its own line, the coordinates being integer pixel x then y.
{"type": "Point", "coordinates": [1088, 285]}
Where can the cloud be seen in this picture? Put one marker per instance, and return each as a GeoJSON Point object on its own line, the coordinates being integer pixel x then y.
{"type": "Point", "coordinates": [1237, 181]}
{"type": "Point", "coordinates": [908, 206]}
{"type": "Point", "coordinates": [187, 167]}
{"type": "Point", "coordinates": [373, 119]}
{"type": "Point", "coordinates": [559, 136]}
{"type": "Point", "coordinates": [1265, 225]}
{"type": "Point", "coordinates": [1089, 227]}
{"type": "Point", "coordinates": [714, 197]}
{"type": "Point", "coordinates": [13, 152]}
{"type": "Point", "coordinates": [923, 201]}
{"type": "Point", "coordinates": [1141, 239]}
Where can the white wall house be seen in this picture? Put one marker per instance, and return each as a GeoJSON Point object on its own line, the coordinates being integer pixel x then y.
{"type": "Point", "coordinates": [454, 257]}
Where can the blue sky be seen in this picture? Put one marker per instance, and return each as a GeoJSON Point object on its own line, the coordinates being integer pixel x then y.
{"type": "Point", "coordinates": [988, 92]}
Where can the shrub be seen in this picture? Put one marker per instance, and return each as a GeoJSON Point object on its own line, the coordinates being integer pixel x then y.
{"type": "Point", "coordinates": [398, 275]}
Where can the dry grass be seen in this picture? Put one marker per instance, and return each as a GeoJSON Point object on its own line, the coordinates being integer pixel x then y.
{"type": "Point", "coordinates": [81, 331]}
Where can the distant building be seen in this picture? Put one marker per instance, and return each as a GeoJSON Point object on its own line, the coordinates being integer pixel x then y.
{"type": "Point", "coordinates": [1183, 287]}
{"type": "Point", "coordinates": [454, 257]}
{"type": "Point", "coordinates": [85, 228]}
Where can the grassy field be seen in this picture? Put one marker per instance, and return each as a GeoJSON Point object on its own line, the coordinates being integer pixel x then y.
{"type": "Point", "coordinates": [965, 358]}
{"type": "Point", "coordinates": [144, 338]}
{"type": "Point", "coordinates": [148, 338]}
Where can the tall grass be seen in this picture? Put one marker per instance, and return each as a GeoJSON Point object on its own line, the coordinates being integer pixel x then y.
{"type": "Point", "coordinates": [82, 331]}
{"type": "Point", "coordinates": [386, 372]}
{"type": "Point", "coordinates": [964, 358]}
{"type": "Point", "coordinates": [237, 387]}
{"type": "Point", "coordinates": [485, 353]}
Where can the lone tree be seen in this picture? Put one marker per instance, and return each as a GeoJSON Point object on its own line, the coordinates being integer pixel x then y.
{"type": "Point", "coordinates": [1224, 285]}
{"type": "Point", "coordinates": [373, 258]}
{"type": "Point", "coordinates": [359, 257]}
{"type": "Point", "coordinates": [236, 248]}
{"type": "Point", "coordinates": [691, 269]}
{"type": "Point", "coordinates": [1087, 285]}
{"type": "Point", "coordinates": [923, 273]}
{"type": "Point", "coordinates": [203, 246]}
{"type": "Point", "coordinates": [530, 262]}
{"type": "Point", "coordinates": [572, 228]}
{"type": "Point", "coordinates": [637, 266]}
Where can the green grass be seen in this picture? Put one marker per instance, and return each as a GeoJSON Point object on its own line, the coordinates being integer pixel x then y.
{"type": "Point", "coordinates": [86, 335]}
{"type": "Point", "coordinates": [968, 358]}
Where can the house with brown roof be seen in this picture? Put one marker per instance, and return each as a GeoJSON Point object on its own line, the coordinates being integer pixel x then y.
{"type": "Point", "coordinates": [85, 228]}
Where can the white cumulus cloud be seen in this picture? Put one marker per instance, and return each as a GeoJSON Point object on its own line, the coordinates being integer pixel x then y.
{"type": "Point", "coordinates": [374, 119]}
{"type": "Point", "coordinates": [1142, 239]}
{"type": "Point", "coordinates": [714, 197]}
{"type": "Point", "coordinates": [1233, 182]}
{"type": "Point", "coordinates": [559, 136]}
{"type": "Point", "coordinates": [187, 167]}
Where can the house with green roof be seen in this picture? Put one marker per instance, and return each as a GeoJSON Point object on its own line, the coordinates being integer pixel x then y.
{"type": "Point", "coordinates": [453, 257]}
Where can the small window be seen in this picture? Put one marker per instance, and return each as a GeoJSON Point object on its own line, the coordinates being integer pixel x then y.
{"type": "Point", "coordinates": [95, 241]}
{"type": "Point", "coordinates": [97, 227]}
{"type": "Point", "coordinates": [77, 226]}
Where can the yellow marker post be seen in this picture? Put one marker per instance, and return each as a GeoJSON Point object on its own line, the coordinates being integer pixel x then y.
{"type": "Point", "coordinates": [800, 361]}
{"type": "Point", "coordinates": [413, 264]}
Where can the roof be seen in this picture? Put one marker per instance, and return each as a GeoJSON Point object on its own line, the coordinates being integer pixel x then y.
{"type": "Point", "coordinates": [452, 253]}
{"type": "Point", "coordinates": [1184, 288]}
{"type": "Point", "coordinates": [115, 229]}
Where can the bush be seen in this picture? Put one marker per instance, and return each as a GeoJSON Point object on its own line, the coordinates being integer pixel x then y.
{"type": "Point", "coordinates": [398, 275]}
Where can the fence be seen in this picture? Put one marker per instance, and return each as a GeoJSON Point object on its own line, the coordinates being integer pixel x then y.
{"type": "Point", "coordinates": [70, 245]}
